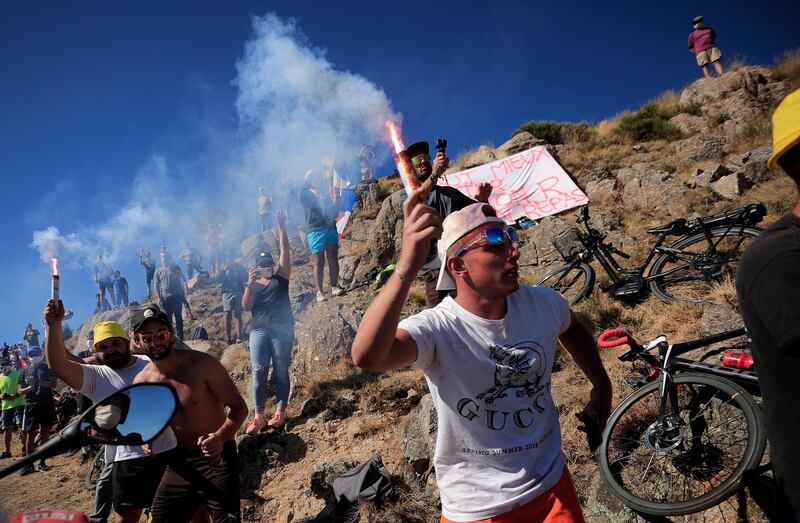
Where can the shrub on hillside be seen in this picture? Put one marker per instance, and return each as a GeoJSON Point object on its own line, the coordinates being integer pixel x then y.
{"type": "Point", "coordinates": [651, 122]}
{"type": "Point", "coordinates": [789, 68]}
{"type": "Point", "coordinates": [549, 131]}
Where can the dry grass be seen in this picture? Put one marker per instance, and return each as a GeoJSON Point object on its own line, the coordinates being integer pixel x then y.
{"type": "Point", "coordinates": [736, 63]}
{"type": "Point", "coordinates": [368, 214]}
{"type": "Point", "coordinates": [357, 250]}
{"type": "Point", "coordinates": [368, 425]}
{"type": "Point", "coordinates": [788, 67]}
{"type": "Point", "coordinates": [778, 194]}
{"type": "Point", "coordinates": [314, 384]}
{"type": "Point", "coordinates": [388, 185]}
{"type": "Point", "coordinates": [667, 102]}
{"type": "Point", "coordinates": [410, 505]}
{"type": "Point", "coordinates": [724, 293]}
{"type": "Point", "coordinates": [416, 295]}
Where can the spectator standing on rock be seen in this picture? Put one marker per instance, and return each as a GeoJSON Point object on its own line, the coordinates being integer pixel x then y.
{"type": "Point", "coordinates": [486, 353]}
{"type": "Point", "coordinates": [271, 329]}
{"type": "Point", "coordinates": [703, 43]}
{"type": "Point", "coordinates": [321, 234]}
{"type": "Point", "coordinates": [204, 468]}
{"type": "Point", "coordinates": [31, 336]}
{"type": "Point", "coordinates": [12, 403]}
{"type": "Point", "coordinates": [232, 279]}
{"type": "Point", "coordinates": [103, 274]}
{"type": "Point", "coordinates": [170, 293]}
{"type": "Point", "coordinates": [768, 287]}
{"type": "Point", "coordinates": [101, 304]}
{"type": "Point", "coordinates": [37, 384]}
{"type": "Point", "coordinates": [121, 290]}
{"type": "Point", "coordinates": [191, 259]}
{"type": "Point", "coordinates": [264, 210]}
{"type": "Point", "coordinates": [445, 200]}
{"type": "Point", "coordinates": [146, 261]}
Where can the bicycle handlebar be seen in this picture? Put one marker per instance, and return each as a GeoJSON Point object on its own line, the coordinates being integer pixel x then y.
{"type": "Point", "coordinates": [621, 337]}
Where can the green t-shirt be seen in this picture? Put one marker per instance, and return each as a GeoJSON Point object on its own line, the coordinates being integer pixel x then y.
{"type": "Point", "coordinates": [9, 385]}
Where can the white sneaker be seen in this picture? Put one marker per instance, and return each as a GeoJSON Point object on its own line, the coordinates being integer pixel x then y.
{"type": "Point", "coordinates": [320, 296]}
{"type": "Point", "coordinates": [336, 290]}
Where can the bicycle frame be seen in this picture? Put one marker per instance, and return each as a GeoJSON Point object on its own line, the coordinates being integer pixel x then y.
{"type": "Point", "coordinates": [667, 364]}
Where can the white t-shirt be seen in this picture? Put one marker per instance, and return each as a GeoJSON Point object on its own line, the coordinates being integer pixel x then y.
{"type": "Point", "coordinates": [499, 441]}
{"type": "Point", "coordinates": [100, 382]}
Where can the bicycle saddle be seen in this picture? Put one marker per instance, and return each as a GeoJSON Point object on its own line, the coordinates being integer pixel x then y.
{"type": "Point", "coordinates": [676, 227]}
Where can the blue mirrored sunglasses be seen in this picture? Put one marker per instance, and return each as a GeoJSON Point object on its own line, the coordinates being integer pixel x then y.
{"type": "Point", "coordinates": [493, 236]}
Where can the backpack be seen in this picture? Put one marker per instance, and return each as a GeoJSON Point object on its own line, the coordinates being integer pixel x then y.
{"type": "Point", "coordinates": [369, 481]}
{"type": "Point", "coordinates": [199, 333]}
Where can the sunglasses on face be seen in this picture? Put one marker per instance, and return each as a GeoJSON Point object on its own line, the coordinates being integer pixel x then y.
{"type": "Point", "coordinates": [493, 236]}
{"type": "Point", "coordinates": [419, 159]}
{"type": "Point", "coordinates": [162, 335]}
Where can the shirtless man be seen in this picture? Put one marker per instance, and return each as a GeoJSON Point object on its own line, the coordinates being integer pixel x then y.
{"type": "Point", "coordinates": [205, 465]}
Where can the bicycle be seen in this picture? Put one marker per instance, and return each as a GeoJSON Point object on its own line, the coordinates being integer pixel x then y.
{"type": "Point", "coordinates": [96, 467]}
{"type": "Point", "coordinates": [683, 441]}
{"type": "Point", "coordinates": [704, 254]}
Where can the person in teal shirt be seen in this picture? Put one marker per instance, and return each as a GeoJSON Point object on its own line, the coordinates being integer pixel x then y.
{"type": "Point", "coordinates": [12, 402]}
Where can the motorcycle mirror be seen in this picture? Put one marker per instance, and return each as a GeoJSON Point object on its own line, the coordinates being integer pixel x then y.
{"type": "Point", "coordinates": [134, 415]}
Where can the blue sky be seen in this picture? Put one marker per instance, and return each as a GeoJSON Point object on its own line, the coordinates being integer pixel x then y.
{"type": "Point", "coordinates": [105, 102]}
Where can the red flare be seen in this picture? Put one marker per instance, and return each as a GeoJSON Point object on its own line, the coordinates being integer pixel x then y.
{"type": "Point", "coordinates": [395, 137]}
{"type": "Point", "coordinates": [54, 266]}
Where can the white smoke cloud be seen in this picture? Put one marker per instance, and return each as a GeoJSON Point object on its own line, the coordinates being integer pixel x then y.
{"type": "Point", "coordinates": [294, 109]}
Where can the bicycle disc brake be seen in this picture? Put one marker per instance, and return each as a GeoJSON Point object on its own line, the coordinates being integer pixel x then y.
{"type": "Point", "coordinates": [664, 436]}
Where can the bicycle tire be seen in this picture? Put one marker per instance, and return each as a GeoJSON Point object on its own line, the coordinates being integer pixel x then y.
{"type": "Point", "coordinates": [579, 280]}
{"type": "Point", "coordinates": [95, 469]}
{"type": "Point", "coordinates": [702, 273]}
{"type": "Point", "coordinates": [630, 430]}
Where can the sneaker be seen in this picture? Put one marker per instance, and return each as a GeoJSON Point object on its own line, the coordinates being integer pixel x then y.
{"type": "Point", "coordinates": [5, 454]}
{"type": "Point", "coordinates": [320, 296]}
{"type": "Point", "coordinates": [27, 470]}
{"type": "Point", "coordinates": [43, 467]}
{"type": "Point", "coordinates": [277, 421]}
{"type": "Point", "coordinates": [255, 425]}
{"type": "Point", "coordinates": [336, 290]}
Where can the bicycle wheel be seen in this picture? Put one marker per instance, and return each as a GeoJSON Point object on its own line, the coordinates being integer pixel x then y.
{"type": "Point", "coordinates": [96, 468]}
{"type": "Point", "coordinates": [691, 460]}
{"type": "Point", "coordinates": [696, 265]}
{"type": "Point", "coordinates": [574, 281]}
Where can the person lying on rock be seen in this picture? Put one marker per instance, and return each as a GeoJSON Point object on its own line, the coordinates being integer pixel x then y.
{"type": "Point", "coordinates": [487, 353]}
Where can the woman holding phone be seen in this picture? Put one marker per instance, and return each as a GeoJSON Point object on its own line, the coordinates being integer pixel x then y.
{"type": "Point", "coordinates": [266, 296]}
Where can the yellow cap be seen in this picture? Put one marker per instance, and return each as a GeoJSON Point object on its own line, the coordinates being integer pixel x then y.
{"type": "Point", "coordinates": [785, 127]}
{"type": "Point", "coordinates": [109, 329]}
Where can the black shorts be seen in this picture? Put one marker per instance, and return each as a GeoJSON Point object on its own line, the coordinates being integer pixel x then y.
{"type": "Point", "coordinates": [136, 480]}
{"type": "Point", "coordinates": [12, 418]}
{"type": "Point", "coordinates": [149, 273]}
{"type": "Point", "coordinates": [190, 479]}
{"type": "Point", "coordinates": [40, 413]}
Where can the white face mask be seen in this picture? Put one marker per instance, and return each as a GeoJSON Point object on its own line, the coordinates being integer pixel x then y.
{"type": "Point", "coordinates": [106, 417]}
{"type": "Point", "coordinates": [35, 360]}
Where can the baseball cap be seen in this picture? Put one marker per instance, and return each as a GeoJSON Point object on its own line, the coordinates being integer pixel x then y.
{"type": "Point", "coordinates": [108, 329]}
{"type": "Point", "coordinates": [697, 20]}
{"type": "Point", "coordinates": [455, 226]}
{"type": "Point", "coordinates": [264, 259]}
{"type": "Point", "coordinates": [785, 127]}
{"type": "Point", "coordinates": [151, 312]}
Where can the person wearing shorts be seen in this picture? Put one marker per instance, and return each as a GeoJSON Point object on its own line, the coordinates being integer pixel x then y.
{"type": "Point", "coordinates": [12, 402]}
{"type": "Point", "coordinates": [703, 44]}
{"type": "Point", "coordinates": [232, 278]}
{"type": "Point", "coordinates": [321, 234]}
{"type": "Point", "coordinates": [40, 408]}
{"type": "Point", "coordinates": [474, 348]}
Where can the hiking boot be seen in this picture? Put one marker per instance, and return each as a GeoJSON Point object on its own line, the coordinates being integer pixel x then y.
{"type": "Point", "coordinates": [5, 454]}
{"type": "Point", "coordinates": [43, 467]}
{"type": "Point", "coordinates": [255, 425]}
{"type": "Point", "coordinates": [336, 291]}
{"type": "Point", "coordinates": [27, 470]}
{"type": "Point", "coordinates": [320, 296]}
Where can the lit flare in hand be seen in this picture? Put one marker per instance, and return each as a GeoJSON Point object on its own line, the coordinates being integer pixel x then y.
{"type": "Point", "coordinates": [54, 287]}
{"type": "Point", "coordinates": [403, 162]}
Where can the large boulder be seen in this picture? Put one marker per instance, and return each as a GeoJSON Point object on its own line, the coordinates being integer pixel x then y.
{"type": "Point", "coordinates": [703, 147]}
{"type": "Point", "coordinates": [368, 196]}
{"type": "Point", "coordinates": [538, 247]}
{"type": "Point", "coordinates": [752, 165]}
{"type": "Point", "coordinates": [602, 187]}
{"type": "Point", "coordinates": [324, 334]}
{"type": "Point", "coordinates": [483, 155]}
{"type": "Point", "coordinates": [729, 187]}
{"type": "Point", "coordinates": [418, 435]}
{"type": "Point", "coordinates": [518, 143]}
{"type": "Point", "coordinates": [689, 124]}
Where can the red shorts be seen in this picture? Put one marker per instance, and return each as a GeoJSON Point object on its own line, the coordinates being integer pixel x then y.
{"type": "Point", "coordinates": [559, 504]}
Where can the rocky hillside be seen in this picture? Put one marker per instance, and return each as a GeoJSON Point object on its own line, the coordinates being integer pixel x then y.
{"type": "Point", "coordinates": [685, 154]}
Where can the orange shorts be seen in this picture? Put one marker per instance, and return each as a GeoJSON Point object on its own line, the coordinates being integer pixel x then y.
{"type": "Point", "coordinates": [559, 504]}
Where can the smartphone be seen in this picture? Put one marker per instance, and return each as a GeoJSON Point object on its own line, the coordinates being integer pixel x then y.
{"type": "Point", "coordinates": [265, 272]}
